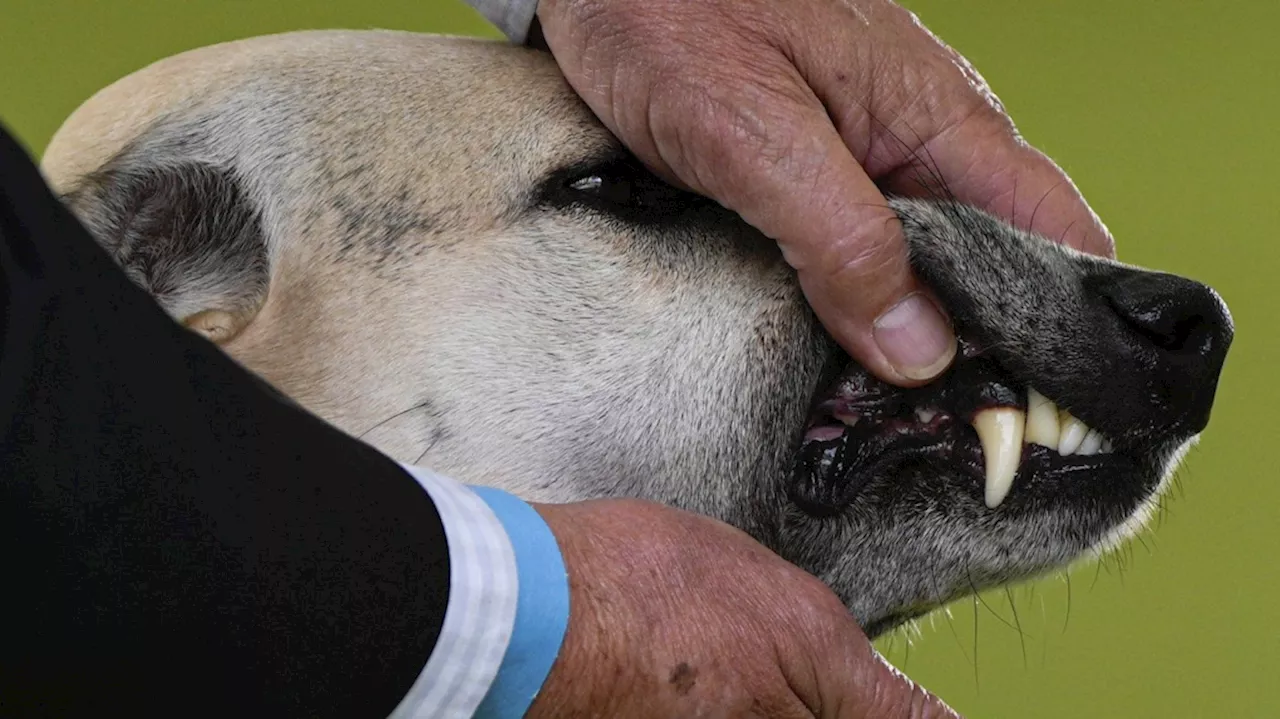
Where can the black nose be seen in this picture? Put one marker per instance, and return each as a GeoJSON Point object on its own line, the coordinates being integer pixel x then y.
{"type": "Point", "coordinates": [1178, 315]}
{"type": "Point", "coordinates": [1178, 330]}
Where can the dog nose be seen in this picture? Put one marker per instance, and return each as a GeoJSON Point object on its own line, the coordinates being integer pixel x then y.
{"type": "Point", "coordinates": [1180, 328]}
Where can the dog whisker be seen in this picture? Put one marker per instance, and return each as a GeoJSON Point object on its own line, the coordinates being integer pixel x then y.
{"type": "Point", "coordinates": [415, 408]}
{"type": "Point", "coordinates": [1022, 636]}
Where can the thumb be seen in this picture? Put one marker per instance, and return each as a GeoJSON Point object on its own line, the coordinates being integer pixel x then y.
{"type": "Point", "coordinates": [774, 157]}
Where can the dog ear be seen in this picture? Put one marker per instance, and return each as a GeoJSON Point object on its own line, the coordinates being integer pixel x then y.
{"type": "Point", "coordinates": [186, 232]}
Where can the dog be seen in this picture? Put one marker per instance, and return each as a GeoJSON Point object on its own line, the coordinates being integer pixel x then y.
{"type": "Point", "coordinates": [431, 243]}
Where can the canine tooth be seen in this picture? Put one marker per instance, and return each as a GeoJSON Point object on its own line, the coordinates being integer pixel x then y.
{"type": "Point", "coordinates": [1042, 420]}
{"type": "Point", "coordinates": [1073, 433]}
{"type": "Point", "coordinates": [926, 415]}
{"type": "Point", "coordinates": [1091, 443]}
{"type": "Point", "coordinates": [1000, 432]}
{"type": "Point", "coordinates": [1107, 447]}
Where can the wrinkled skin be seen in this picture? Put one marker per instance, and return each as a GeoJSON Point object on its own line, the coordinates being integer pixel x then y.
{"type": "Point", "coordinates": [725, 628]}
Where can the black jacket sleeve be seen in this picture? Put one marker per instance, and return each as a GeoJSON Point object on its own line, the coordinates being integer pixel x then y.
{"type": "Point", "coordinates": [176, 538]}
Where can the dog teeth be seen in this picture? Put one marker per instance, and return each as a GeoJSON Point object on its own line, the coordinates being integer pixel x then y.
{"type": "Point", "coordinates": [1073, 434]}
{"type": "Point", "coordinates": [1042, 420]}
{"type": "Point", "coordinates": [1057, 429]}
{"type": "Point", "coordinates": [1091, 444]}
{"type": "Point", "coordinates": [1000, 431]}
{"type": "Point", "coordinates": [1003, 430]}
{"type": "Point", "coordinates": [926, 415]}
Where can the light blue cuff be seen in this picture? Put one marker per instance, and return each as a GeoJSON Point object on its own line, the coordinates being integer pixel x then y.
{"type": "Point", "coordinates": [542, 609]}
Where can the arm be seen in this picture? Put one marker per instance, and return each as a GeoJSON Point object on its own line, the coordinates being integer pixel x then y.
{"type": "Point", "coordinates": [182, 540]}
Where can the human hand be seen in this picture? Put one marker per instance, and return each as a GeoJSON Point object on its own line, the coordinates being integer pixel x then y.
{"type": "Point", "coordinates": [795, 115]}
{"type": "Point", "coordinates": [677, 615]}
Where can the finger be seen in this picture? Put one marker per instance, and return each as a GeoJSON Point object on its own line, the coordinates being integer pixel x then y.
{"type": "Point", "coordinates": [874, 688]}
{"type": "Point", "coordinates": [991, 167]}
{"type": "Point", "coordinates": [926, 123]}
{"type": "Point", "coordinates": [777, 160]}
{"type": "Point", "coordinates": [856, 682]}
{"type": "Point", "coordinates": [837, 672]}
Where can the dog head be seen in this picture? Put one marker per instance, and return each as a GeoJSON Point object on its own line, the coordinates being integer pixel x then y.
{"type": "Point", "coordinates": [431, 243]}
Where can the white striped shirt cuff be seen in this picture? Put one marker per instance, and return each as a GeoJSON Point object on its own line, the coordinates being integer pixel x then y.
{"type": "Point", "coordinates": [512, 17]}
{"type": "Point", "coordinates": [481, 611]}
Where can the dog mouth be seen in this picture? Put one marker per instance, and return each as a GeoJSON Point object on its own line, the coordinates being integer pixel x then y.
{"type": "Point", "coordinates": [976, 420]}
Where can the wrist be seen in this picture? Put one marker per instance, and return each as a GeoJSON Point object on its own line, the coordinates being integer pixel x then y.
{"type": "Point", "coordinates": [596, 662]}
{"type": "Point", "coordinates": [542, 609]}
{"type": "Point", "coordinates": [507, 605]}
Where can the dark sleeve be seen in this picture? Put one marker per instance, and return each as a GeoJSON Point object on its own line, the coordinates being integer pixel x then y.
{"type": "Point", "coordinates": [176, 539]}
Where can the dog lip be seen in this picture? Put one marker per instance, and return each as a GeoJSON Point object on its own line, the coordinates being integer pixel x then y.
{"type": "Point", "coordinates": [824, 481]}
{"type": "Point", "coordinates": [859, 428]}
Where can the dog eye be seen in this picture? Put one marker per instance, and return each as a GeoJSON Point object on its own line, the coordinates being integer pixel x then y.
{"type": "Point", "coordinates": [626, 188]}
{"type": "Point", "coordinates": [621, 188]}
{"type": "Point", "coordinates": [616, 190]}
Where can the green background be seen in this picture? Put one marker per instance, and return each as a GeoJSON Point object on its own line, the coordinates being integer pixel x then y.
{"type": "Point", "coordinates": [1165, 114]}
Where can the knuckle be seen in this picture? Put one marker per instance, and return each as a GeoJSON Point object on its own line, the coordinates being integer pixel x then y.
{"type": "Point", "coordinates": [738, 139]}
{"type": "Point", "coordinates": [826, 622]}
{"type": "Point", "coordinates": [866, 259]}
{"type": "Point", "coordinates": [930, 93]}
{"type": "Point", "coordinates": [959, 95]}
